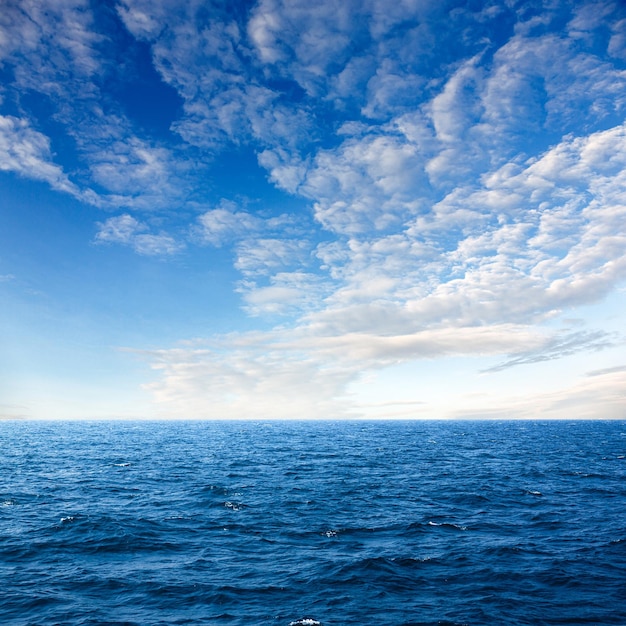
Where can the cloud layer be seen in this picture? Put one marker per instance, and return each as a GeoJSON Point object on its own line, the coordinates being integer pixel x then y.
{"type": "Point", "coordinates": [437, 180]}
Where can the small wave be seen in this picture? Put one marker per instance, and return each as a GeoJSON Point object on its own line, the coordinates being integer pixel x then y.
{"type": "Point", "coordinates": [68, 519]}
{"type": "Point", "coordinates": [448, 525]}
{"type": "Point", "coordinates": [330, 533]}
{"type": "Point", "coordinates": [234, 506]}
{"type": "Point", "coordinates": [307, 621]}
{"type": "Point", "coordinates": [532, 492]}
{"type": "Point", "coordinates": [122, 464]}
{"type": "Point", "coordinates": [9, 502]}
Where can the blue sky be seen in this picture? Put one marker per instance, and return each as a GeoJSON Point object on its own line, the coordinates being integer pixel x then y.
{"type": "Point", "coordinates": [408, 209]}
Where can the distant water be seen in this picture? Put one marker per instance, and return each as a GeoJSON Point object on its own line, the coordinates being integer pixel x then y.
{"type": "Point", "coordinates": [302, 524]}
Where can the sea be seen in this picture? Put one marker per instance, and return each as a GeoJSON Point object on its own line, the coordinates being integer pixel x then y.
{"type": "Point", "coordinates": [326, 523]}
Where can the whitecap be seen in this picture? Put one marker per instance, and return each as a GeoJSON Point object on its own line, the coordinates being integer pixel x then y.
{"type": "Point", "coordinates": [307, 621]}
{"type": "Point", "coordinates": [448, 525]}
{"type": "Point", "coordinates": [121, 464]}
{"type": "Point", "coordinates": [68, 519]}
{"type": "Point", "coordinates": [234, 506]}
{"type": "Point", "coordinates": [330, 533]}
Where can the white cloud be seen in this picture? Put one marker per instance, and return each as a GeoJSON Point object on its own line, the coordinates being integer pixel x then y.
{"type": "Point", "coordinates": [589, 17]}
{"type": "Point", "coordinates": [617, 43]}
{"type": "Point", "coordinates": [479, 397]}
{"type": "Point", "coordinates": [136, 174]}
{"type": "Point", "coordinates": [526, 93]}
{"type": "Point", "coordinates": [128, 168]}
{"type": "Point", "coordinates": [422, 268]}
{"type": "Point", "coordinates": [600, 397]}
{"type": "Point", "coordinates": [368, 183]}
{"type": "Point", "coordinates": [315, 47]}
{"type": "Point", "coordinates": [225, 224]}
{"type": "Point", "coordinates": [295, 375]}
{"type": "Point", "coordinates": [144, 20]}
{"type": "Point", "coordinates": [156, 245]}
{"type": "Point", "coordinates": [264, 28]}
{"type": "Point", "coordinates": [56, 36]}
{"type": "Point", "coordinates": [126, 230]}
{"type": "Point", "coordinates": [55, 50]}
{"type": "Point", "coordinates": [307, 39]}
{"type": "Point", "coordinates": [287, 293]}
{"type": "Point", "coordinates": [266, 256]}
{"type": "Point", "coordinates": [457, 107]}
{"type": "Point", "coordinates": [286, 171]}
{"type": "Point", "coordinates": [476, 274]}
{"type": "Point", "coordinates": [246, 378]}
{"type": "Point", "coordinates": [27, 152]}
{"type": "Point", "coordinates": [263, 374]}
{"type": "Point", "coordinates": [119, 229]}
{"type": "Point", "coordinates": [427, 263]}
{"type": "Point", "coordinates": [228, 224]}
{"type": "Point", "coordinates": [443, 235]}
{"type": "Point", "coordinates": [559, 346]}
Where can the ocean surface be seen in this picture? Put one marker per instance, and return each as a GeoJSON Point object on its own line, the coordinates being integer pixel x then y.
{"type": "Point", "coordinates": [314, 523]}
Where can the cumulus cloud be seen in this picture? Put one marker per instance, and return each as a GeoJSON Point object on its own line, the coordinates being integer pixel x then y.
{"type": "Point", "coordinates": [367, 183]}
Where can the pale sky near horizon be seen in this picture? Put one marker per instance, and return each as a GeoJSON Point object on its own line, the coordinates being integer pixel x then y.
{"type": "Point", "coordinates": [295, 209]}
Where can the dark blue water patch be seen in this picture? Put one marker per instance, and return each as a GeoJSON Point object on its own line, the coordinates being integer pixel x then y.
{"type": "Point", "coordinates": [324, 523]}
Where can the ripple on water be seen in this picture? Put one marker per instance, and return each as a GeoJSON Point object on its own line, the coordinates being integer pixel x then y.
{"type": "Point", "coordinates": [304, 524]}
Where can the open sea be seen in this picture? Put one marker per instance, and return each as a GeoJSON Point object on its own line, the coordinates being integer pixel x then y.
{"type": "Point", "coordinates": [312, 523]}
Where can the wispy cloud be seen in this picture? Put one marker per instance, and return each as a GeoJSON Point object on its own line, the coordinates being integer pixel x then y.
{"type": "Point", "coordinates": [608, 370]}
{"type": "Point", "coordinates": [561, 346]}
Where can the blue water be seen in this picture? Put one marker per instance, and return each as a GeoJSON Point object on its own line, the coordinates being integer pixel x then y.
{"type": "Point", "coordinates": [386, 524]}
